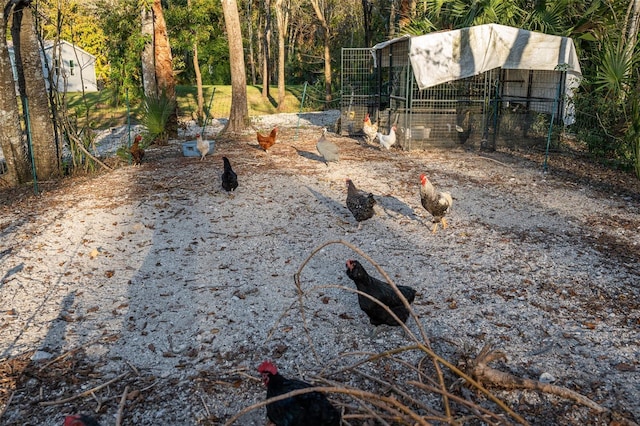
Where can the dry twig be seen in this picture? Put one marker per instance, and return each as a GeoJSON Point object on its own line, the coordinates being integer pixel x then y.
{"type": "Point", "coordinates": [123, 401]}
{"type": "Point", "coordinates": [85, 393]}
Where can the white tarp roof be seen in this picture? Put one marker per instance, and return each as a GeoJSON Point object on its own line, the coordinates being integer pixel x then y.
{"type": "Point", "coordinates": [451, 55]}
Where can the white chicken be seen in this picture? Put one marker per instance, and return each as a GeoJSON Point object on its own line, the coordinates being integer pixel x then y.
{"type": "Point", "coordinates": [202, 145]}
{"type": "Point", "coordinates": [369, 129]}
{"type": "Point", "coordinates": [386, 141]}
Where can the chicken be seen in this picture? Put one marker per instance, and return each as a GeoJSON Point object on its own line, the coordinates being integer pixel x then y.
{"type": "Point", "coordinates": [359, 203]}
{"type": "Point", "coordinates": [463, 126]}
{"type": "Point", "coordinates": [80, 420]}
{"type": "Point", "coordinates": [309, 409]}
{"type": "Point", "coordinates": [386, 141]}
{"type": "Point", "coordinates": [202, 145]}
{"type": "Point", "coordinates": [229, 177]}
{"type": "Point", "coordinates": [327, 149]}
{"type": "Point", "coordinates": [381, 291]}
{"type": "Point", "coordinates": [370, 130]}
{"type": "Point", "coordinates": [267, 142]}
{"type": "Point", "coordinates": [436, 203]}
{"type": "Point", "coordinates": [137, 153]}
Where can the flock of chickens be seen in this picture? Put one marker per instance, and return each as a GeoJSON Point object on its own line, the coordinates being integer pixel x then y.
{"type": "Point", "coordinates": [382, 303]}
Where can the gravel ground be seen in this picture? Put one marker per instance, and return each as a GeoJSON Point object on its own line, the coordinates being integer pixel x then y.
{"type": "Point", "coordinates": [153, 279]}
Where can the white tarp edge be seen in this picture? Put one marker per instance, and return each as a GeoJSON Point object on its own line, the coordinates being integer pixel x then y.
{"type": "Point", "coordinates": [441, 57]}
{"type": "Point", "coordinates": [446, 56]}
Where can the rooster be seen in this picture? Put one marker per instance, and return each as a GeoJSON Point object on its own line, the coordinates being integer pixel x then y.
{"type": "Point", "coordinates": [229, 177]}
{"type": "Point", "coordinates": [80, 420]}
{"type": "Point", "coordinates": [137, 153]}
{"type": "Point", "coordinates": [327, 149]}
{"type": "Point", "coordinates": [308, 409]}
{"type": "Point", "coordinates": [436, 203]}
{"type": "Point", "coordinates": [359, 203]}
{"type": "Point", "coordinates": [370, 130]}
{"type": "Point", "coordinates": [386, 141]}
{"type": "Point", "coordinates": [267, 142]}
{"type": "Point", "coordinates": [202, 145]}
{"type": "Point", "coordinates": [383, 292]}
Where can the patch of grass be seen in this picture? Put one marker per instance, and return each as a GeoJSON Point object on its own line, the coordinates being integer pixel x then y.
{"type": "Point", "coordinates": [104, 114]}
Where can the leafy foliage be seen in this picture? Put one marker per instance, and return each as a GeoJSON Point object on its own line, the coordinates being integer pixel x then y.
{"type": "Point", "coordinates": [124, 45]}
{"type": "Point", "coordinates": [156, 115]}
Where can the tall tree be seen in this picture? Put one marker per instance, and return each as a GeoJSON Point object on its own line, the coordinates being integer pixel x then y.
{"type": "Point", "coordinates": [33, 91]}
{"type": "Point", "coordinates": [198, 74]}
{"type": "Point", "coordinates": [13, 148]}
{"type": "Point", "coordinates": [157, 64]}
{"type": "Point", "coordinates": [282, 19]}
{"type": "Point", "coordinates": [239, 108]}
{"type": "Point", "coordinates": [323, 10]}
{"type": "Point", "coordinates": [266, 49]}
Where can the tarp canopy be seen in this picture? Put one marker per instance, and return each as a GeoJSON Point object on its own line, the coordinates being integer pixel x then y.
{"type": "Point", "coordinates": [451, 55]}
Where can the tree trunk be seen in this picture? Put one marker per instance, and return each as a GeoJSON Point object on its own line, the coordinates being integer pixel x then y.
{"type": "Point", "coordinates": [252, 59]}
{"type": "Point", "coordinates": [239, 109]}
{"type": "Point", "coordinates": [200, 95]}
{"type": "Point", "coordinates": [326, 33]}
{"type": "Point", "coordinates": [13, 148]}
{"type": "Point", "coordinates": [282, 17]}
{"type": "Point", "coordinates": [367, 14]}
{"type": "Point", "coordinates": [163, 59]}
{"type": "Point", "coordinates": [196, 69]}
{"type": "Point", "coordinates": [392, 19]}
{"type": "Point", "coordinates": [165, 78]}
{"type": "Point", "coordinates": [34, 92]}
{"type": "Point", "coordinates": [266, 49]}
{"type": "Point", "coordinates": [149, 83]}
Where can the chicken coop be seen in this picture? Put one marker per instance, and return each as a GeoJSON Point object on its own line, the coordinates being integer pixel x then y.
{"type": "Point", "coordinates": [490, 85]}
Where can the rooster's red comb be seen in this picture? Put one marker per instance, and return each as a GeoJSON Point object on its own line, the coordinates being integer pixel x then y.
{"type": "Point", "coordinates": [267, 367]}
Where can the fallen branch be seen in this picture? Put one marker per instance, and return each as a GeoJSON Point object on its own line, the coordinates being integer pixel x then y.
{"type": "Point", "coordinates": [6, 406]}
{"type": "Point", "coordinates": [74, 350]}
{"type": "Point", "coordinates": [85, 393]}
{"type": "Point", "coordinates": [483, 373]}
{"type": "Point", "coordinates": [123, 401]}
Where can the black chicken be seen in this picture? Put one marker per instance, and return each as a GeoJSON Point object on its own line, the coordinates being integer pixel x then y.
{"type": "Point", "coordinates": [80, 420]}
{"type": "Point", "coordinates": [381, 291]}
{"type": "Point", "coordinates": [229, 177]}
{"type": "Point", "coordinates": [359, 203]}
{"type": "Point", "coordinates": [309, 409]}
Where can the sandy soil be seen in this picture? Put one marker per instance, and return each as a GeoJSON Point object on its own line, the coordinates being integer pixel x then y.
{"type": "Point", "coordinates": [154, 280]}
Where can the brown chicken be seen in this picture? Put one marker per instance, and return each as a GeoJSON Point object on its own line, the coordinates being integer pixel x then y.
{"type": "Point", "coordinates": [267, 142]}
{"type": "Point", "coordinates": [137, 153]}
{"type": "Point", "coordinates": [436, 203]}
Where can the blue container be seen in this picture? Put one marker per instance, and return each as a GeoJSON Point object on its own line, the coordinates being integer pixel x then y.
{"type": "Point", "coordinates": [190, 148]}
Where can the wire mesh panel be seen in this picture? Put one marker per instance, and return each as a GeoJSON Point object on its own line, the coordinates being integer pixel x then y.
{"type": "Point", "coordinates": [359, 89]}
{"type": "Point", "coordinates": [513, 108]}
{"type": "Point", "coordinates": [529, 107]}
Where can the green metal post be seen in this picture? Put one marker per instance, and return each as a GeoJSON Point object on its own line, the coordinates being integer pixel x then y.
{"type": "Point", "coordinates": [27, 119]}
{"type": "Point", "coordinates": [545, 166]}
{"type": "Point", "coordinates": [128, 122]}
{"type": "Point", "coordinates": [206, 117]}
{"type": "Point", "coordinates": [304, 94]}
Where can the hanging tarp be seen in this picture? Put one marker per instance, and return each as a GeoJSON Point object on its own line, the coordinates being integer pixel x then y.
{"type": "Point", "coordinates": [441, 57]}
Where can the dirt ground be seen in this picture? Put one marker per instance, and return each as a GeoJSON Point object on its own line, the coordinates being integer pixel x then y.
{"type": "Point", "coordinates": [153, 283]}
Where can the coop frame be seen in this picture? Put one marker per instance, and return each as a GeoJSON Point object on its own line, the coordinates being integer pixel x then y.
{"type": "Point", "coordinates": [499, 106]}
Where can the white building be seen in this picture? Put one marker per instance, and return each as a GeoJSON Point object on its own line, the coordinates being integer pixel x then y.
{"type": "Point", "coordinates": [73, 68]}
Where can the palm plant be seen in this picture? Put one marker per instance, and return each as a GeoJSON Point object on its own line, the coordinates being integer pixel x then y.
{"type": "Point", "coordinates": [157, 111]}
